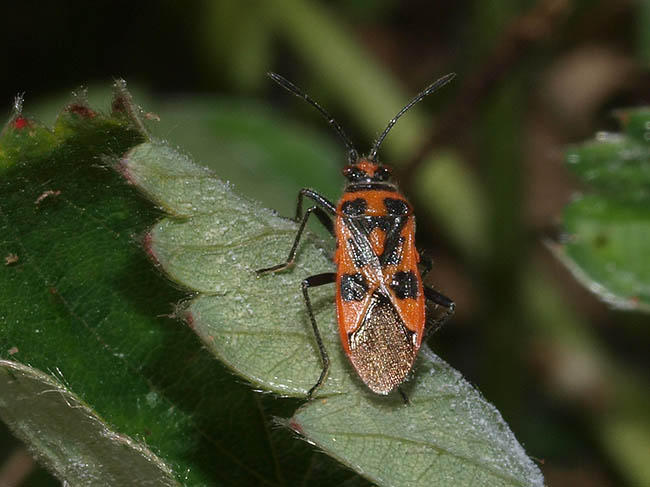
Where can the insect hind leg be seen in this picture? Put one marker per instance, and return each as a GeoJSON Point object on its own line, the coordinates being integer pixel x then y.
{"type": "Point", "coordinates": [438, 299]}
{"type": "Point", "coordinates": [314, 281]}
{"type": "Point", "coordinates": [426, 263]}
{"type": "Point", "coordinates": [405, 398]}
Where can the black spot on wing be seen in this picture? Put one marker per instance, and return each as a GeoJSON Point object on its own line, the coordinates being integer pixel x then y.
{"type": "Point", "coordinates": [396, 206]}
{"type": "Point", "coordinates": [356, 207]}
{"type": "Point", "coordinates": [353, 287]}
{"type": "Point", "coordinates": [405, 285]}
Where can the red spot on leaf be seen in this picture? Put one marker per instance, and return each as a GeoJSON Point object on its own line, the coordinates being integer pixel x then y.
{"type": "Point", "coordinates": [189, 318]}
{"type": "Point", "coordinates": [295, 426]}
{"type": "Point", "coordinates": [119, 104]}
{"type": "Point", "coordinates": [123, 168]}
{"type": "Point", "coordinates": [21, 123]}
{"type": "Point", "coordinates": [81, 110]}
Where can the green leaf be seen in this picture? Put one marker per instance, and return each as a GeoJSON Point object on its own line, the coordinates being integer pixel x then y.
{"type": "Point", "coordinates": [69, 437]}
{"type": "Point", "coordinates": [617, 165]}
{"type": "Point", "coordinates": [81, 302]}
{"type": "Point", "coordinates": [213, 240]}
{"type": "Point", "coordinates": [215, 249]}
{"type": "Point", "coordinates": [607, 249]}
{"type": "Point", "coordinates": [447, 435]}
{"type": "Point", "coordinates": [606, 246]}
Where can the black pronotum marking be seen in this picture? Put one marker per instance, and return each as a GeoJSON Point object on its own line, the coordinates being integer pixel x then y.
{"type": "Point", "coordinates": [356, 207]}
{"type": "Point", "coordinates": [396, 206]}
{"type": "Point", "coordinates": [356, 187]}
{"type": "Point", "coordinates": [353, 287]}
{"type": "Point", "coordinates": [405, 285]}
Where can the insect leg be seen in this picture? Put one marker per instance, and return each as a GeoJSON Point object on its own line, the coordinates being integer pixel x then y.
{"type": "Point", "coordinates": [321, 213]}
{"type": "Point", "coordinates": [426, 262]}
{"type": "Point", "coordinates": [405, 398]}
{"type": "Point", "coordinates": [323, 217]}
{"type": "Point", "coordinates": [323, 202]}
{"type": "Point", "coordinates": [439, 300]}
{"type": "Point", "coordinates": [313, 281]}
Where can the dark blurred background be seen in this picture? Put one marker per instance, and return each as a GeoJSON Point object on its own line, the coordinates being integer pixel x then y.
{"type": "Point", "coordinates": [482, 161]}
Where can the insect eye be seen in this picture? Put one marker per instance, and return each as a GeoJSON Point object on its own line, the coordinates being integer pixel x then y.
{"type": "Point", "coordinates": [382, 173]}
{"type": "Point", "coordinates": [353, 173]}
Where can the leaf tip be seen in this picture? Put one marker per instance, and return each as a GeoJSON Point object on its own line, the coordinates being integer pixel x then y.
{"type": "Point", "coordinates": [18, 103]}
{"type": "Point", "coordinates": [121, 97]}
{"type": "Point", "coordinates": [17, 121]}
{"type": "Point", "coordinates": [80, 105]}
{"type": "Point", "coordinates": [124, 106]}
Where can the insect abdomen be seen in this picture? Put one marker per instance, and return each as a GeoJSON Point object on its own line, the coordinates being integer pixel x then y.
{"type": "Point", "coordinates": [382, 349]}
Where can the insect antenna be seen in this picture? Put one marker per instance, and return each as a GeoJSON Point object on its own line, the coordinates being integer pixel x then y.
{"type": "Point", "coordinates": [427, 91]}
{"type": "Point", "coordinates": [353, 155]}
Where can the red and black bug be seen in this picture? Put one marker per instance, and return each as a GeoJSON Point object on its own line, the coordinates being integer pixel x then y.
{"type": "Point", "coordinates": [380, 296]}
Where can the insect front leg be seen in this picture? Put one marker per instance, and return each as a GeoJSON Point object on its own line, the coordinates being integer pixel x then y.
{"type": "Point", "coordinates": [438, 299]}
{"type": "Point", "coordinates": [323, 202]}
{"type": "Point", "coordinates": [314, 281]}
{"type": "Point", "coordinates": [321, 213]}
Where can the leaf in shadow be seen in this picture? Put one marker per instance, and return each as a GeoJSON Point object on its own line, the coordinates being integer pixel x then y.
{"type": "Point", "coordinates": [81, 303]}
{"type": "Point", "coordinates": [69, 437]}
